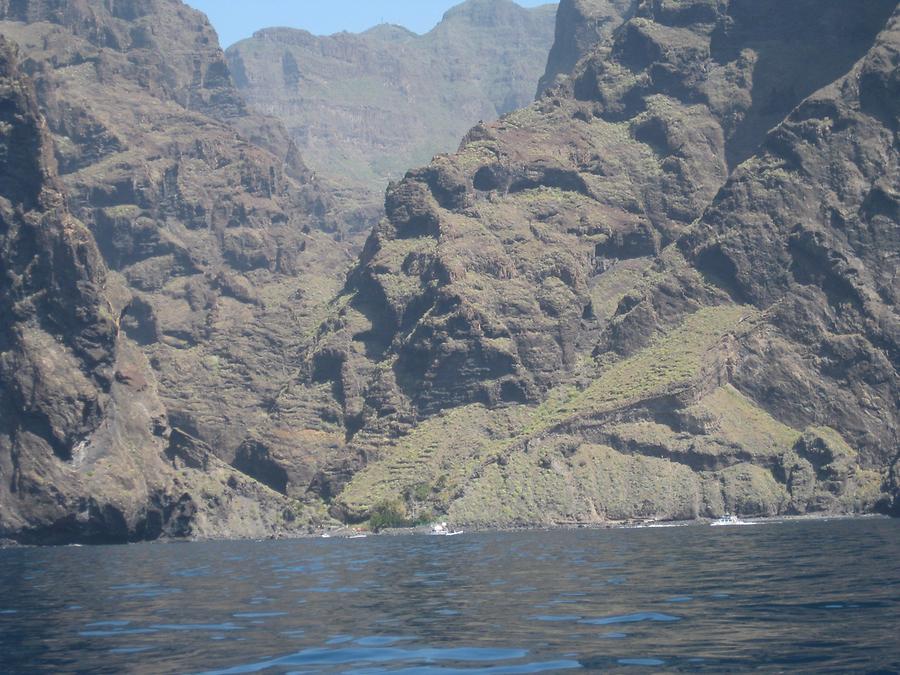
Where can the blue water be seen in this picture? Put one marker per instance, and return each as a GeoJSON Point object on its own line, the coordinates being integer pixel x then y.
{"type": "Point", "coordinates": [796, 596]}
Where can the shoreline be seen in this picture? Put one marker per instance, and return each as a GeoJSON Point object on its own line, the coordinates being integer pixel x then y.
{"type": "Point", "coordinates": [637, 524]}
{"type": "Point", "coordinates": [425, 530]}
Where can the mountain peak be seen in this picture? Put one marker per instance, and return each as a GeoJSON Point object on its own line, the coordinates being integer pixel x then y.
{"type": "Point", "coordinates": [390, 32]}
{"type": "Point", "coordinates": [489, 12]}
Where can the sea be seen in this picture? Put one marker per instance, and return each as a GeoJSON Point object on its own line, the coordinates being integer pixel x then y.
{"type": "Point", "coordinates": [810, 595]}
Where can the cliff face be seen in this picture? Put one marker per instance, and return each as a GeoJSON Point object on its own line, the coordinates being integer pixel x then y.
{"type": "Point", "coordinates": [580, 26]}
{"type": "Point", "coordinates": [222, 248]}
{"type": "Point", "coordinates": [671, 278]}
{"type": "Point", "coordinates": [364, 108]}
{"type": "Point", "coordinates": [86, 450]}
{"type": "Point", "coordinates": [666, 289]}
{"type": "Point", "coordinates": [58, 336]}
{"type": "Point", "coordinates": [228, 247]}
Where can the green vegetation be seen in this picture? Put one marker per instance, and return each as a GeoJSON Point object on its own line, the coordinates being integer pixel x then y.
{"type": "Point", "coordinates": [436, 459]}
{"type": "Point", "coordinates": [388, 513]}
{"type": "Point", "coordinates": [393, 513]}
{"type": "Point", "coordinates": [741, 422]}
{"type": "Point", "coordinates": [615, 283]}
{"type": "Point", "coordinates": [463, 447]}
{"type": "Point", "coordinates": [594, 484]}
{"type": "Point", "coordinates": [420, 492]}
{"type": "Point", "coordinates": [515, 465]}
{"type": "Point", "coordinates": [752, 490]}
{"type": "Point", "coordinates": [673, 360]}
{"type": "Point", "coordinates": [123, 211]}
{"type": "Point", "coordinates": [544, 196]}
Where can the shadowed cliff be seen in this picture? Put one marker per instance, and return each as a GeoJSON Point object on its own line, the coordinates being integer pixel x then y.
{"type": "Point", "coordinates": [86, 449]}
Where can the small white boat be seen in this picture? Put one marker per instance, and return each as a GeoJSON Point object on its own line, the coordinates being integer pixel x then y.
{"type": "Point", "coordinates": [729, 520]}
{"type": "Point", "coordinates": [357, 536]}
{"type": "Point", "coordinates": [441, 530]}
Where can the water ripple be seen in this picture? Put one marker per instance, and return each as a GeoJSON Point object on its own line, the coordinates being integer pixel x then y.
{"type": "Point", "coordinates": [520, 602]}
{"type": "Point", "coordinates": [330, 657]}
{"type": "Point", "coordinates": [555, 617]}
{"type": "Point", "coordinates": [631, 618]}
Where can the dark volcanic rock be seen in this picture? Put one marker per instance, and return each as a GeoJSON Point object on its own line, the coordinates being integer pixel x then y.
{"type": "Point", "coordinates": [58, 322]}
{"type": "Point", "coordinates": [217, 250]}
{"type": "Point", "coordinates": [667, 289]}
{"type": "Point", "coordinates": [807, 230]}
{"type": "Point", "coordinates": [580, 26]}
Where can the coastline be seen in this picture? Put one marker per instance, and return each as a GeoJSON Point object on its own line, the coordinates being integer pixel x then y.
{"type": "Point", "coordinates": [348, 532]}
{"type": "Point", "coordinates": [641, 525]}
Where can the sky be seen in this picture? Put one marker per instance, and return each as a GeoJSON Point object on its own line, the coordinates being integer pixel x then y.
{"type": "Point", "coordinates": [238, 19]}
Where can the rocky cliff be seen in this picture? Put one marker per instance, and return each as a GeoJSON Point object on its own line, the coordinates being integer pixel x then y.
{"type": "Point", "coordinates": [666, 289]}
{"type": "Point", "coordinates": [363, 108]}
{"type": "Point", "coordinates": [580, 26]}
{"type": "Point", "coordinates": [86, 449]}
{"type": "Point", "coordinates": [221, 246]}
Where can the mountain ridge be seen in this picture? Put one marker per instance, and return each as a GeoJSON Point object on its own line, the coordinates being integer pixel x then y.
{"type": "Point", "coordinates": [215, 238]}
{"type": "Point", "coordinates": [364, 107]}
{"type": "Point", "coordinates": [87, 450]}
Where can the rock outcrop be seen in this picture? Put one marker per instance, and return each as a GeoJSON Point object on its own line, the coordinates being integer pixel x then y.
{"type": "Point", "coordinates": [580, 26]}
{"type": "Point", "coordinates": [365, 107]}
{"type": "Point", "coordinates": [227, 247]}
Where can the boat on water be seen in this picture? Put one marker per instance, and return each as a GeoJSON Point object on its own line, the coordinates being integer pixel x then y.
{"type": "Point", "coordinates": [442, 530]}
{"type": "Point", "coordinates": [727, 520]}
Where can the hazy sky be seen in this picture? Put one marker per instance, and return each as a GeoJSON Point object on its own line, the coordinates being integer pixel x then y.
{"type": "Point", "coordinates": [236, 19]}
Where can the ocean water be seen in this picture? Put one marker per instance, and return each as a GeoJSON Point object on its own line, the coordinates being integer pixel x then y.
{"type": "Point", "coordinates": [811, 596]}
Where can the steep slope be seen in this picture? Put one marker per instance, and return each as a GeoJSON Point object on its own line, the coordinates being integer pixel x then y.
{"type": "Point", "coordinates": [364, 108]}
{"type": "Point", "coordinates": [667, 289]}
{"type": "Point", "coordinates": [86, 452]}
{"type": "Point", "coordinates": [580, 26]}
{"type": "Point", "coordinates": [637, 362]}
{"type": "Point", "coordinates": [225, 245]}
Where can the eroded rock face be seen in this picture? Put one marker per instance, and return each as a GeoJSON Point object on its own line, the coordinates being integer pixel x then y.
{"type": "Point", "coordinates": [365, 107]}
{"type": "Point", "coordinates": [86, 450]}
{"type": "Point", "coordinates": [57, 321]}
{"type": "Point", "coordinates": [807, 231]}
{"type": "Point", "coordinates": [580, 26]}
{"type": "Point", "coordinates": [224, 246]}
{"type": "Point", "coordinates": [667, 289]}
{"type": "Point", "coordinates": [680, 259]}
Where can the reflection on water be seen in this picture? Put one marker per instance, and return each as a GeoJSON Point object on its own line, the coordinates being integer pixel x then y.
{"type": "Point", "coordinates": [807, 595]}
